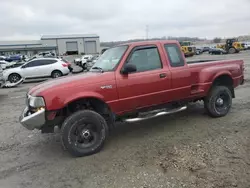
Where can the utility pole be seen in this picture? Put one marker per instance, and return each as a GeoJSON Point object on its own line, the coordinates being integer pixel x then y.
{"type": "Point", "coordinates": [146, 32]}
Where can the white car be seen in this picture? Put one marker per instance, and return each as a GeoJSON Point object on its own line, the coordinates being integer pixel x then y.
{"type": "Point", "coordinates": [83, 60]}
{"type": "Point", "coordinates": [38, 68]}
{"type": "Point", "coordinates": [3, 64]}
{"type": "Point", "coordinates": [6, 64]}
{"type": "Point", "coordinates": [92, 61]}
{"type": "Point", "coordinates": [247, 45]}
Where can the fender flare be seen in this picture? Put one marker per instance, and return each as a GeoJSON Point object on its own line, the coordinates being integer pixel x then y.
{"type": "Point", "coordinates": [83, 95]}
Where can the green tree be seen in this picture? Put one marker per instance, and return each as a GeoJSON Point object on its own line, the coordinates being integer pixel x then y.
{"type": "Point", "coordinates": [217, 40]}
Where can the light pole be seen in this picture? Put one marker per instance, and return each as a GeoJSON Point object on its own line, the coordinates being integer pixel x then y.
{"type": "Point", "coordinates": [146, 32]}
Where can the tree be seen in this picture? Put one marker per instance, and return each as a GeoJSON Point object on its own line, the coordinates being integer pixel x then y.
{"type": "Point", "coordinates": [217, 40]}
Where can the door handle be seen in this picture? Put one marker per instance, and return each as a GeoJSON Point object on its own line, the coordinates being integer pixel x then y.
{"type": "Point", "coordinates": [163, 75]}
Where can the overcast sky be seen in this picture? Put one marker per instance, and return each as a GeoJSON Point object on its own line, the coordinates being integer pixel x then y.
{"type": "Point", "coordinates": [124, 19]}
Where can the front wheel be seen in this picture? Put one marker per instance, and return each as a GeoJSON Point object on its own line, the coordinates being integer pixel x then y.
{"type": "Point", "coordinates": [219, 101]}
{"type": "Point", "coordinates": [14, 78]}
{"type": "Point", "coordinates": [84, 133]}
{"type": "Point", "coordinates": [231, 51]}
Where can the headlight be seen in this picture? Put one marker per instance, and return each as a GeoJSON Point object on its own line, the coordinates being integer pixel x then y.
{"type": "Point", "coordinates": [36, 102]}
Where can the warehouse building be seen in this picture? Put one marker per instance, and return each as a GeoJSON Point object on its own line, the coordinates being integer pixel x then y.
{"type": "Point", "coordinates": [73, 44]}
{"type": "Point", "coordinates": [29, 48]}
{"type": "Point", "coordinates": [59, 44]}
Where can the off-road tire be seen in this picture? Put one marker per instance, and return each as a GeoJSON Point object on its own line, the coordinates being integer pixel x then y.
{"type": "Point", "coordinates": [231, 51]}
{"type": "Point", "coordinates": [210, 101]}
{"type": "Point", "coordinates": [56, 74]}
{"type": "Point", "coordinates": [76, 120]}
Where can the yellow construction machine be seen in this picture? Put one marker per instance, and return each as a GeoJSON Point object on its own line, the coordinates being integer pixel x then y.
{"type": "Point", "coordinates": [232, 46]}
{"type": "Point", "coordinates": [187, 48]}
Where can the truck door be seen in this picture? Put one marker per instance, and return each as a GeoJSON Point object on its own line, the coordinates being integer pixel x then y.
{"type": "Point", "coordinates": [149, 84]}
{"type": "Point", "coordinates": [180, 73]}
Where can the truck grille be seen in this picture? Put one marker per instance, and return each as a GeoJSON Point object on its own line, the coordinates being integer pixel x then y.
{"type": "Point", "coordinates": [190, 49]}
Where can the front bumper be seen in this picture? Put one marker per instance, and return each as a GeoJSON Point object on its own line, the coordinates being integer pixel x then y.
{"type": "Point", "coordinates": [32, 121]}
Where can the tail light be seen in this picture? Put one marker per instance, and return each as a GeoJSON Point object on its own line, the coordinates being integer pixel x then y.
{"type": "Point", "coordinates": [65, 65]}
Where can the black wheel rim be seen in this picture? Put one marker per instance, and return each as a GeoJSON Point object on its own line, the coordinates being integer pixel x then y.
{"type": "Point", "coordinates": [84, 135]}
{"type": "Point", "coordinates": [14, 78]}
{"type": "Point", "coordinates": [222, 102]}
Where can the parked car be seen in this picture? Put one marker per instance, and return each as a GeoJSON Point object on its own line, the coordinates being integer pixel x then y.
{"type": "Point", "coordinates": [83, 60]}
{"type": "Point", "coordinates": [199, 51]}
{"type": "Point", "coordinates": [6, 64]}
{"type": "Point", "coordinates": [2, 58]}
{"type": "Point", "coordinates": [247, 46]}
{"type": "Point", "coordinates": [3, 64]}
{"type": "Point", "coordinates": [92, 61]}
{"type": "Point", "coordinates": [14, 58]}
{"type": "Point", "coordinates": [131, 82]}
{"type": "Point", "coordinates": [217, 51]}
{"type": "Point", "coordinates": [205, 49]}
{"type": "Point", "coordinates": [37, 68]}
{"type": "Point", "coordinates": [2, 81]}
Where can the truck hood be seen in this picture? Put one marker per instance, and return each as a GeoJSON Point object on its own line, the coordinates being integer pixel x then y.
{"type": "Point", "coordinates": [69, 82]}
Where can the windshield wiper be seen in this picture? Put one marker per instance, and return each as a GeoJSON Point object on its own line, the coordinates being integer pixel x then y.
{"type": "Point", "coordinates": [98, 68]}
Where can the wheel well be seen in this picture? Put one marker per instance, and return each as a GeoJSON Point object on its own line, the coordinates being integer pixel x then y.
{"type": "Point", "coordinates": [13, 74]}
{"type": "Point", "coordinates": [56, 71]}
{"type": "Point", "coordinates": [224, 80]}
{"type": "Point", "coordinates": [90, 103]}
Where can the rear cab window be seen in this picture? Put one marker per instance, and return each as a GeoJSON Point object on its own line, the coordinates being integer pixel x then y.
{"type": "Point", "coordinates": [174, 55]}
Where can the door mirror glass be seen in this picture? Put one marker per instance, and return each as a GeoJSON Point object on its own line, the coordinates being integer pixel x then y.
{"type": "Point", "coordinates": [129, 68]}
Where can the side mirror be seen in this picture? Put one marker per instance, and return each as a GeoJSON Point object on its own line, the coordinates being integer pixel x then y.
{"type": "Point", "coordinates": [128, 68]}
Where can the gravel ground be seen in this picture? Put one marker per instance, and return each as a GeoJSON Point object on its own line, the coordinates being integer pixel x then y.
{"type": "Point", "coordinates": [188, 149]}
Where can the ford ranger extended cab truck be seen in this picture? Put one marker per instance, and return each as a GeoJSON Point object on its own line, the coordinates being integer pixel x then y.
{"type": "Point", "coordinates": [129, 82]}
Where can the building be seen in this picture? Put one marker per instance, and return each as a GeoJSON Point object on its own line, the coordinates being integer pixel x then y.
{"type": "Point", "coordinates": [73, 44]}
{"type": "Point", "coordinates": [29, 48]}
{"type": "Point", "coordinates": [59, 44]}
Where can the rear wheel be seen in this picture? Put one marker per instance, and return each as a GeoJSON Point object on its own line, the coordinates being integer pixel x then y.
{"type": "Point", "coordinates": [56, 74]}
{"type": "Point", "coordinates": [219, 101]}
{"type": "Point", "coordinates": [14, 78]}
{"type": "Point", "coordinates": [84, 133]}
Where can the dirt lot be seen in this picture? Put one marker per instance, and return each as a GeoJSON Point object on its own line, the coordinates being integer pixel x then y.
{"type": "Point", "coordinates": [188, 149]}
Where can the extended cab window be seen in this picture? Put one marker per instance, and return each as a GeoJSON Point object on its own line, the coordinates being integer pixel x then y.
{"type": "Point", "coordinates": [174, 55]}
{"type": "Point", "coordinates": [145, 59]}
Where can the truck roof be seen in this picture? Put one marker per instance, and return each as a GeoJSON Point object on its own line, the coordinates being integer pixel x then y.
{"type": "Point", "coordinates": [150, 42]}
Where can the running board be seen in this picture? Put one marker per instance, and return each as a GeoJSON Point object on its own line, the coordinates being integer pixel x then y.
{"type": "Point", "coordinates": [157, 114]}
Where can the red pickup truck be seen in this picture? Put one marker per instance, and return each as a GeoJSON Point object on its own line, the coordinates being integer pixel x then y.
{"type": "Point", "coordinates": [129, 82]}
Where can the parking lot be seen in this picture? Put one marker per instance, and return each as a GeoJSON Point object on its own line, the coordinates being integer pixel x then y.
{"type": "Point", "coordinates": [188, 149]}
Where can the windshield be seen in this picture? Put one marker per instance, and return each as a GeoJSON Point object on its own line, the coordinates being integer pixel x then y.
{"type": "Point", "coordinates": [110, 59]}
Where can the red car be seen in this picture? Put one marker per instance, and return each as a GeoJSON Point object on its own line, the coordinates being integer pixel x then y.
{"type": "Point", "coordinates": [129, 82]}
